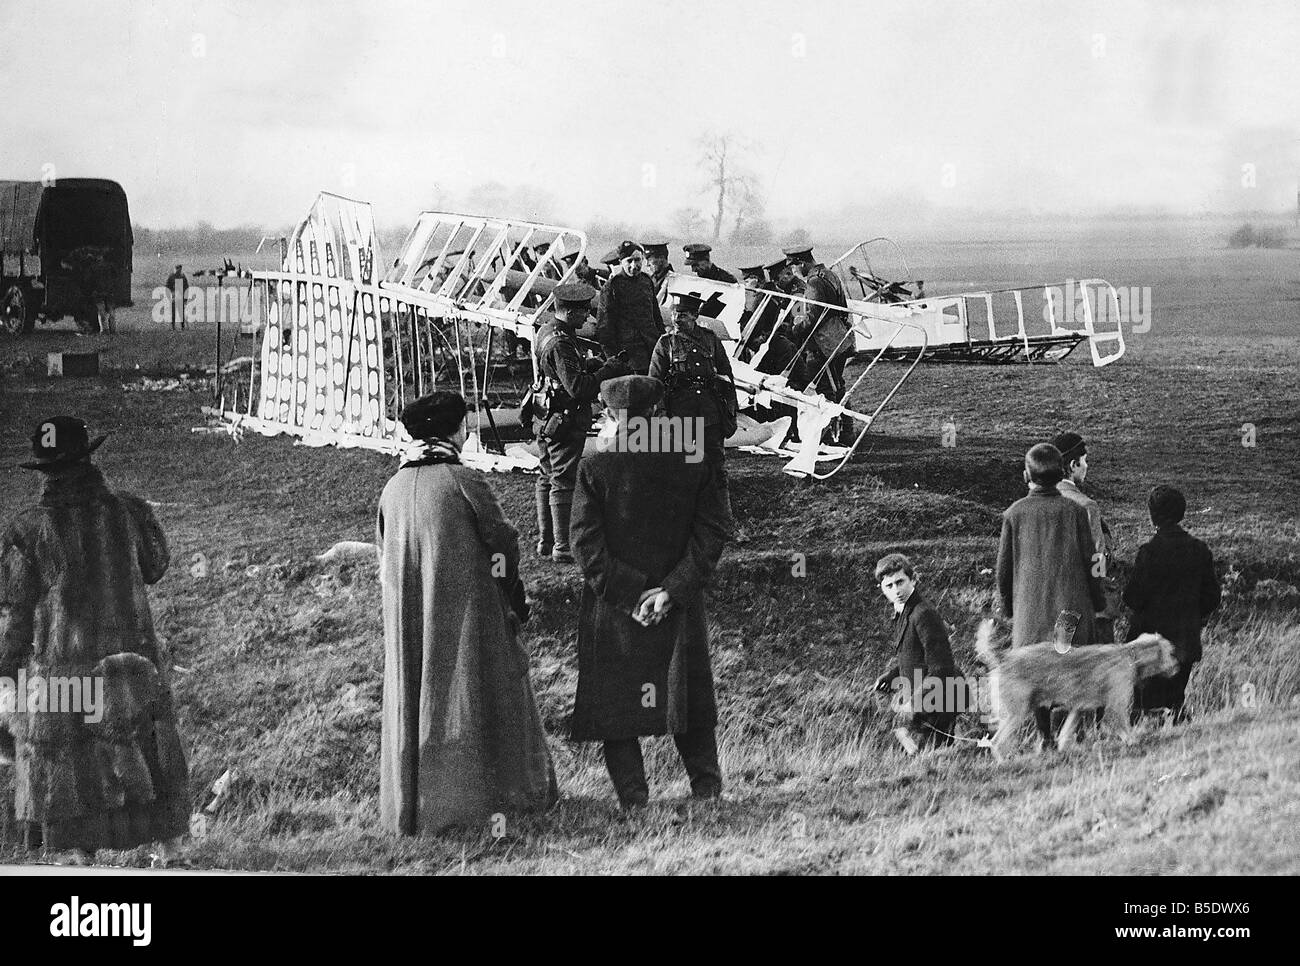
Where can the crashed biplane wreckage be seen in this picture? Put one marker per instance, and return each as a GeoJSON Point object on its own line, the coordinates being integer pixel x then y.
{"type": "Point", "coordinates": [344, 349]}
{"type": "Point", "coordinates": [1024, 324]}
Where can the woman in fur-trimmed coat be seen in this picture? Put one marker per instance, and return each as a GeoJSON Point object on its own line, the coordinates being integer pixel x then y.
{"type": "Point", "coordinates": [73, 604]}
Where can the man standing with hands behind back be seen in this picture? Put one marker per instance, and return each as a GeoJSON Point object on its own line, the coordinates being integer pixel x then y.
{"type": "Point", "coordinates": [648, 529]}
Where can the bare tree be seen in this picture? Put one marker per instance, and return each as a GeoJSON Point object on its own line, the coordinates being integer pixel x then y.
{"type": "Point", "coordinates": [750, 228]}
{"type": "Point", "coordinates": [687, 223]}
{"type": "Point", "coordinates": [723, 159]}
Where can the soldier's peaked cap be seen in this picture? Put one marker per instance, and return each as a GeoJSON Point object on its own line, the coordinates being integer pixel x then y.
{"type": "Point", "coordinates": [687, 302]}
{"type": "Point", "coordinates": [656, 247]}
{"type": "Point", "coordinates": [628, 249]}
{"type": "Point", "coordinates": [754, 271]}
{"type": "Point", "coordinates": [576, 293]}
{"type": "Point", "coordinates": [697, 250]}
{"type": "Point", "coordinates": [798, 253]}
{"type": "Point", "coordinates": [610, 258]}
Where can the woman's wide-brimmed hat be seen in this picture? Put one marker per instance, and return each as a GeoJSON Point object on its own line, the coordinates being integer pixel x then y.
{"type": "Point", "coordinates": [60, 441]}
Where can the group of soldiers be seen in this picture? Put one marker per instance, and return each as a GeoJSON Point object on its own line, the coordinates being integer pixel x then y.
{"type": "Point", "coordinates": [682, 351]}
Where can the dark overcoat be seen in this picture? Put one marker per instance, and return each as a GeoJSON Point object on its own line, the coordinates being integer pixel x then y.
{"type": "Point", "coordinates": [1046, 565]}
{"type": "Point", "coordinates": [629, 318]}
{"type": "Point", "coordinates": [1172, 590]}
{"type": "Point", "coordinates": [644, 520]}
{"type": "Point", "coordinates": [921, 640]}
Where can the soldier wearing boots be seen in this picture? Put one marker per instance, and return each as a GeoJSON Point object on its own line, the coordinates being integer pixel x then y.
{"type": "Point", "coordinates": [569, 386]}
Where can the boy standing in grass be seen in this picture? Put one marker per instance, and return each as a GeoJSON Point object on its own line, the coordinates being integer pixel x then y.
{"type": "Point", "coordinates": [923, 668]}
{"type": "Point", "coordinates": [1172, 591]}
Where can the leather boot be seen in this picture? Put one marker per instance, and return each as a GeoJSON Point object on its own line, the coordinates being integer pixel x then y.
{"type": "Point", "coordinates": [545, 540]}
{"type": "Point", "coordinates": [561, 509]}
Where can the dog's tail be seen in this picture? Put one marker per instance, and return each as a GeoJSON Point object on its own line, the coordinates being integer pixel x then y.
{"type": "Point", "coordinates": [984, 643]}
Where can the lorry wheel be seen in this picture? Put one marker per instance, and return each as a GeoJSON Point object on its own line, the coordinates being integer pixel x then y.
{"type": "Point", "coordinates": [14, 317]}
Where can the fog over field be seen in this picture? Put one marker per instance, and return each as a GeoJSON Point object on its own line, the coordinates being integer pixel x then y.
{"type": "Point", "coordinates": [239, 112]}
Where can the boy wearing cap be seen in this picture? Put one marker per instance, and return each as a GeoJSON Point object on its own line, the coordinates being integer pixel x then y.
{"type": "Point", "coordinates": [699, 259]}
{"type": "Point", "coordinates": [73, 602]}
{"type": "Point", "coordinates": [1173, 590]}
{"type": "Point", "coordinates": [572, 385]}
{"type": "Point", "coordinates": [628, 317]}
{"type": "Point", "coordinates": [1074, 460]}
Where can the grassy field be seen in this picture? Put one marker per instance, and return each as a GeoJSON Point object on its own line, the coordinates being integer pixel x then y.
{"type": "Point", "coordinates": [281, 655]}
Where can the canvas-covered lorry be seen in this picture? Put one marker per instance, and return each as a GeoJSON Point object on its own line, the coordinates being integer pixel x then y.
{"type": "Point", "coordinates": [65, 249]}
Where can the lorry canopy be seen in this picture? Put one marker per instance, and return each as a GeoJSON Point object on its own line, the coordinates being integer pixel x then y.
{"type": "Point", "coordinates": [21, 204]}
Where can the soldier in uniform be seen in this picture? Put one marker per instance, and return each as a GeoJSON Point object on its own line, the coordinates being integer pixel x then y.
{"type": "Point", "coordinates": [628, 317]}
{"type": "Point", "coordinates": [569, 387]}
{"type": "Point", "coordinates": [825, 331]}
{"type": "Point", "coordinates": [783, 278]}
{"type": "Point", "coordinates": [656, 256]}
{"type": "Point", "coordinates": [693, 364]}
{"type": "Point", "coordinates": [699, 259]}
{"type": "Point", "coordinates": [781, 351]}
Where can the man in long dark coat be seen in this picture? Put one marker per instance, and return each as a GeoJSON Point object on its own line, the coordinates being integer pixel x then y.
{"type": "Point", "coordinates": [73, 605]}
{"type": "Point", "coordinates": [1047, 563]}
{"type": "Point", "coordinates": [628, 316]}
{"type": "Point", "coordinates": [461, 738]}
{"type": "Point", "coordinates": [1173, 590]}
{"type": "Point", "coordinates": [648, 529]}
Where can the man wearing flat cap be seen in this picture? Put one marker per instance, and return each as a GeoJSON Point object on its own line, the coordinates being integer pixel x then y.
{"type": "Point", "coordinates": [570, 385]}
{"type": "Point", "coordinates": [656, 257]}
{"type": "Point", "coordinates": [648, 529]}
{"type": "Point", "coordinates": [628, 316]}
{"type": "Point", "coordinates": [74, 605]}
{"type": "Point", "coordinates": [824, 330]}
{"type": "Point", "coordinates": [1074, 461]}
{"type": "Point", "coordinates": [699, 259]}
{"type": "Point", "coordinates": [696, 372]}
{"type": "Point", "coordinates": [460, 736]}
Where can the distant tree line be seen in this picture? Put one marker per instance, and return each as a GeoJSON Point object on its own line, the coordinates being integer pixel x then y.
{"type": "Point", "coordinates": [1248, 236]}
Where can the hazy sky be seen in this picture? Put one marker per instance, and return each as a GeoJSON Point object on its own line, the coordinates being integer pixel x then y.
{"type": "Point", "coordinates": [240, 112]}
